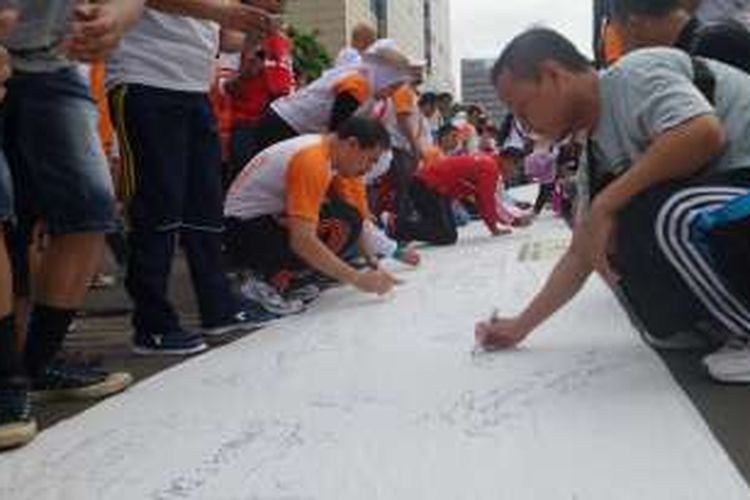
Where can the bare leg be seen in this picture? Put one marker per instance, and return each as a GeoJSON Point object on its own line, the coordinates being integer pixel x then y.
{"type": "Point", "coordinates": [6, 280]}
{"type": "Point", "coordinates": [67, 266]}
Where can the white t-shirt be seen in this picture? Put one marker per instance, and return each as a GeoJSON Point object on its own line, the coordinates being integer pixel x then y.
{"type": "Point", "coordinates": [348, 56]}
{"type": "Point", "coordinates": [292, 178]}
{"type": "Point", "coordinates": [308, 111]}
{"type": "Point", "coordinates": [167, 51]}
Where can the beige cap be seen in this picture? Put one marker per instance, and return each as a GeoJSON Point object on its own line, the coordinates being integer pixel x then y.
{"type": "Point", "coordinates": [387, 51]}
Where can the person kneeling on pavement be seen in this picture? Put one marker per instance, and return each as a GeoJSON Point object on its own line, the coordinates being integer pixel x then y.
{"type": "Point", "coordinates": [667, 142]}
{"type": "Point", "coordinates": [299, 206]}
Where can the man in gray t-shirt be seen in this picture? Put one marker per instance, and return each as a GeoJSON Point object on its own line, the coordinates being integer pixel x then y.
{"type": "Point", "coordinates": [652, 92]}
{"type": "Point", "coordinates": [667, 142]}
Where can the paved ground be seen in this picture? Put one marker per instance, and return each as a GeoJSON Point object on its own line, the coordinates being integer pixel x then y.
{"type": "Point", "coordinates": [104, 332]}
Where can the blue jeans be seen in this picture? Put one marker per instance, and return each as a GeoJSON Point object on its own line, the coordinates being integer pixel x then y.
{"type": "Point", "coordinates": [171, 154]}
{"type": "Point", "coordinates": [51, 140]}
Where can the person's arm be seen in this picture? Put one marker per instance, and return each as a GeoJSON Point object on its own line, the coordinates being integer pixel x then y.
{"type": "Point", "coordinates": [252, 17]}
{"type": "Point", "coordinates": [407, 124]}
{"type": "Point", "coordinates": [305, 243]}
{"type": "Point", "coordinates": [676, 154]}
{"type": "Point", "coordinates": [8, 18]}
{"type": "Point", "coordinates": [231, 41]}
{"type": "Point", "coordinates": [569, 275]}
{"type": "Point", "coordinates": [97, 28]}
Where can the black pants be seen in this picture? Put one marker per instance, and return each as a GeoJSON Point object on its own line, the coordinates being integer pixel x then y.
{"type": "Point", "coordinates": [545, 195]}
{"type": "Point", "coordinates": [433, 220]}
{"type": "Point", "coordinates": [403, 166]}
{"type": "Point", "coordinates": [173, 158]}
{"type": "Point", "coordinates": [669, 283]}
{"type": "Point", "coordinates": [262, 244]}
{"type": "Point", "coordinates": [271, 130]}
{"type": "Point", "coordinates": [730, 245]}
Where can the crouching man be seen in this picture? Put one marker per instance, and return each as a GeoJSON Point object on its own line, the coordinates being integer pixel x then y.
{"type": "Point", "coordinates": [300, 204]}
{"type": "Point", "coordinates": [667, 143]}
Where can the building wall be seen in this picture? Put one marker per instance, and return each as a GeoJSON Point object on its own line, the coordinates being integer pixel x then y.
{"type": "Point", "coordinates": [328, 17]}
{"type": "Point", "coordinates": [438, 45]}
{"type": "Point", "coordinates": [477, 89]}
{"type": "Point", "coordinates": [360, 11]}
{"type": "Point", "coordinates": [406, 26]}
{"type": "Point", "coordinates": [404, 22]}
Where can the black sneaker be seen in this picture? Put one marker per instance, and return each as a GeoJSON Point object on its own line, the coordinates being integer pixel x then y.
{"type": "Point", "coordinates": [175, 343]}
{"type": "Point", "coordinates": [66, 380]}
{"type": "Point", "coordinates": [17, 426]}
{"type": "Point", "coordinates": [251, 317]}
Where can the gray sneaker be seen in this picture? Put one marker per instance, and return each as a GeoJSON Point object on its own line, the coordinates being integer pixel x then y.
{"type": "Point", "coordinates": [269, 297]}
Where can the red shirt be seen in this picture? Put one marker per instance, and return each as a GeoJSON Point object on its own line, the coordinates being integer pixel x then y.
{"type": "Point", "coordinates": [460, 177]}
{"type": "Point", "coordinates": [276, 79]}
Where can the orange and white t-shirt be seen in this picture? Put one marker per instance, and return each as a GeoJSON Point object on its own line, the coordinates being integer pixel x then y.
{"type": "Point", "coordinates": [292, 178]}
{"type": "Point", "coordinates": [308, 111]}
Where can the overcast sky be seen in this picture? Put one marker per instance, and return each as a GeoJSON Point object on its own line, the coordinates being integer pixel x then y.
{"type": "Point", "coordinates": [481, 27]}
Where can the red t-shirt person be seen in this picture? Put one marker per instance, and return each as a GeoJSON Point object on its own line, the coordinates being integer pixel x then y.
{"type": "Point", "coordinates": [467, 176]}
{"type": "Point", "coordinates": [266, 74]}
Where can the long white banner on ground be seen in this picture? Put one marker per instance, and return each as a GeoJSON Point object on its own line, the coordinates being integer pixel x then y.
{"type": "Point", "coordinates": [366, 398]}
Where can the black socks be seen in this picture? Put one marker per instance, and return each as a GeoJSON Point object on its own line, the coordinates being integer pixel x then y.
{"type": "Point", "coordinates": [10, 359]}
{"type": "Point", "coordinates": [47, 330]}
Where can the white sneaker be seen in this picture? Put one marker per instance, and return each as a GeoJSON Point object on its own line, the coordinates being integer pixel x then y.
{"type": "Point", "coordinates": [731, 363]}
{"type": "Point", "coordinates": [270, 298]}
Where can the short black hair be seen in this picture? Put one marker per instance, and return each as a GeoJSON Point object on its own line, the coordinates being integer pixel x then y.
{"type": "Point", "coordinates": [428, 99]}
{"type": "Point", "coordinates": [442, 96]}
{"type": "Point", "coordinates": [369, 132]}
{"type": "Point", "coordinates": [622, 9]}
{"type": "Point", "coordinates": [524, 55]}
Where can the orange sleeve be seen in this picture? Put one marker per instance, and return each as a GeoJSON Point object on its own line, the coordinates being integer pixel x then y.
{"type": "Point", "coordinates": [352, 191]}
{"type": "Point", "coordinates": [99, 93]}
{"type": "Point", "coordinates": [405, 100]}
{"type": "Point", "coordinates": [307, 178]}
{"type": "Point", "coordinates": [356, 85]}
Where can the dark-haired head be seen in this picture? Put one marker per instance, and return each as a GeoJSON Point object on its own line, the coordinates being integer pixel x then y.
{"type": "Point", "coordinates": [550, 87]}
{"type": "Point", "coordinates": [360, 141]}
{"type": "Point", "coordinates": [369, 132]}
{"type": "Point", "coordinates": [623, 9]}
{"type": "Point", "coordinates": [428, 99]}
{"type": "Point", "coordinates": [648, 23]}
{"type": "Point", "coordinates": [524, 55]}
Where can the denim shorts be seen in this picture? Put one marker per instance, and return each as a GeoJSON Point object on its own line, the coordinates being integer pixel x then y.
{"type": "Point", "coordinates": [59, 170]}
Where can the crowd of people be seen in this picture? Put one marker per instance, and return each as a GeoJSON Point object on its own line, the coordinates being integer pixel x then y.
{"type": "Point", "coordinates": [148, 125]}
{"type": "Point", "coordinates": [192, 126]}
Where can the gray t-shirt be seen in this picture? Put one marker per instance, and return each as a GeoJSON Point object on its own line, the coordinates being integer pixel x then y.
{"type": "Point", "coordinates": [719, 10]}
{"type": "Point", "coordinates": [651, 91]}
{"type": "Point", "coordinates": [35, 42]}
